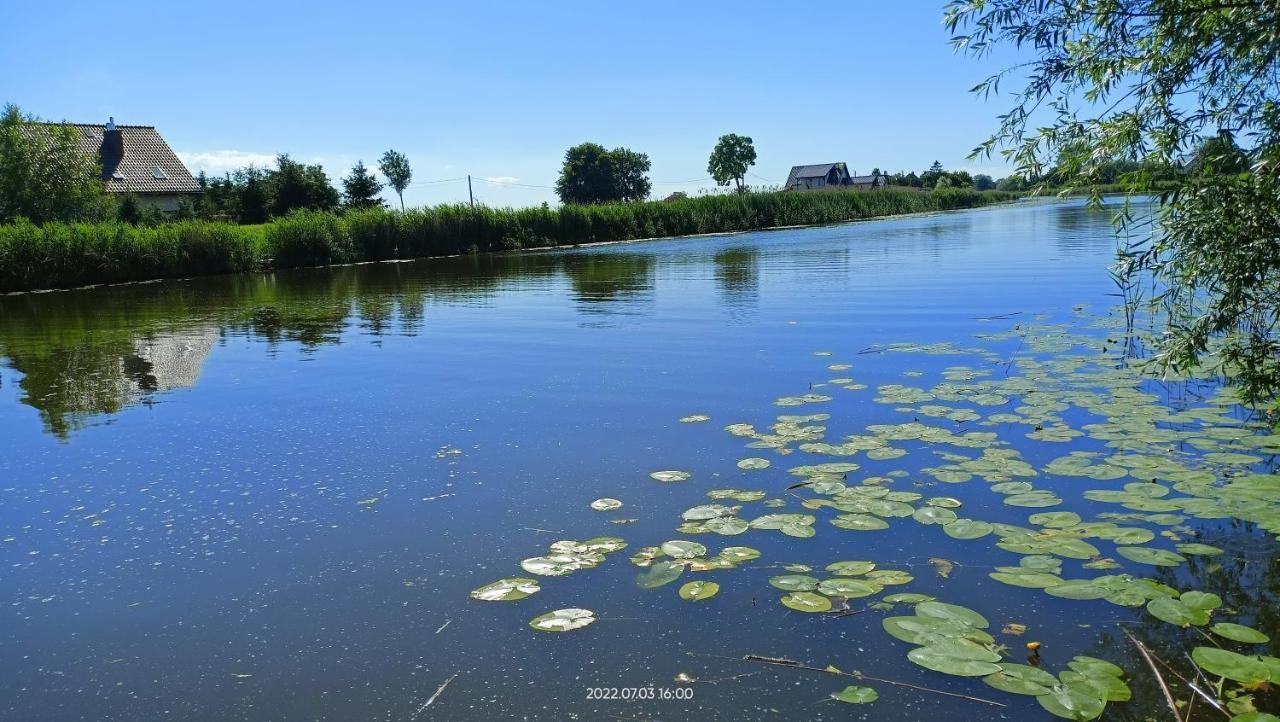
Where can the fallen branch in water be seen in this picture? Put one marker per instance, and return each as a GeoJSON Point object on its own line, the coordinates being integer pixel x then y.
{"type": "Point", "coordinates": [431, 700]}
{"type": "Point", "coordinates": [1146, 655]}
{"type": "Point", "coordinates": [793, 664]}
{"type": "Point", "coordinates": [447, 622]}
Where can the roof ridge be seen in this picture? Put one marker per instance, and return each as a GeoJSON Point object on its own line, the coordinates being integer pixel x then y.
{"type": "Point", "coordinates": [90, 125]}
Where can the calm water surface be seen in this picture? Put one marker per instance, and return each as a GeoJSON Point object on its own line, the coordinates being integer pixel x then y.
{"type": "Point", "coordinates": [267, 497]}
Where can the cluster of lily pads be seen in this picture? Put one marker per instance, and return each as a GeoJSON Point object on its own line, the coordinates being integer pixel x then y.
{"type": "Point", "coordinates": [849, 580]}
{"type": "Point", "coordinates": [1169, 464]}
{"type": "Point", "coordinates": [563, 557]}
{"type": "Point", "coordinates": [952, 639]}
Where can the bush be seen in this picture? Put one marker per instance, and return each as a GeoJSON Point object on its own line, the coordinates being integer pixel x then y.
{"type": "Point", "coordinates": [59, 255]}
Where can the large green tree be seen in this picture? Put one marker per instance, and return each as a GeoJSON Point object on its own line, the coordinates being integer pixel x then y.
{"type": "Point", "coordinates": [361, 188]}
{"type": "Point", "coordinates": [730, 159]}
{"type": "Point", "coordinates": [594, 174]}
{"type": "Point", "coordinates": [1146, 80]}
{"type": "Point", "coordinates": [296, 186]}
{"type": "Point", "coordinates": [395, 168]}
{"type": "Point", "coordinates": [44, 176]}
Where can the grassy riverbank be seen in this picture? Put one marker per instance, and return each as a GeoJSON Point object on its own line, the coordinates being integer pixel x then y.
{"type": "Point", "coordinates": [67, 255]}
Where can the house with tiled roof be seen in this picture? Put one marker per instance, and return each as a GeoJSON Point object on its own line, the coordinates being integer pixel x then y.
{"type": "Point", "coordinates": [135, 160]}
{"type": "Point", "coordinates": [831, 175]}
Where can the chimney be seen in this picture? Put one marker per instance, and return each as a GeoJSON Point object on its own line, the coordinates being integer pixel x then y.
{"type": "Point", "coordinates": [112, 148]}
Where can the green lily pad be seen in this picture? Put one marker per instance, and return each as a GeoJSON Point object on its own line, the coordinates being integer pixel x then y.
{"type": "Point", "coordinates": [967, 529]}
{"type": "Point", "coordinates": [1173, 611]}
{"type": "Point", "coordinates": [563, 620]}
{"type": "Point", "coordinates": [669, 476]}
{"type": "Point", "coordinates": [856, 695]}
{"type": "Point", "coordinates": [846, 587]}
{"type": "Point", "coordinates": [794, 583]}
{"type": "Point", "coordinates": [1073, 703]}
{"type": "Point", "coordinates": [952, 612]}
{"type": "Point", "coordinates": [850, 568]}
{"type": "Point", "coordinates": [807, 602]}
{"type": "Point", "coordinates": [1238, 667]}
{"type": "Point", "coordinates": [958, 657]}
{"type": "Point", "coordinates": [753, 463]}
{"type": "Point", "coordinates": [680, 549]}
{"type": "Point", "coordinates": [859, 522]}
{"type": "Point", "coordinates": [697, 591]}
{"type": "Point", "coordinates": [506, 590]}
{"type": "Point", "coordinates": [1021, 679]}
{"type": "Point", "coordinates": [740, 554]}
{"type": "Point", "coordinates": [660, 573]}
{"type": "Point", "coordinates": [606, 504]}
{"type": "Point", "coordinates": [1239, 633]}
{"type": "Point", "coordinates": [1148, 555]}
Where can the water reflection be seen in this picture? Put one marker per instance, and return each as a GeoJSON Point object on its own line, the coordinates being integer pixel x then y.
{"type": "Point", "coordinates": [737, 276]}
{"type": "Point", "coordinates": [88, 354]}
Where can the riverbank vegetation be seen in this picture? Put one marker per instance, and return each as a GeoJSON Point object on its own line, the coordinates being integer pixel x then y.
{"type": "Point", "coordinates": [61, 255]}
{"type": "Point", "coordinates": [1181, 84]}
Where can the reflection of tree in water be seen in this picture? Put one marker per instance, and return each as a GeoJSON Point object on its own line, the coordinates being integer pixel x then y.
{"type": "Point", "coordinates": [86, 354]}
{"type": "Point", "coordinates": [738, 277]}
{"type": "Point", "coordinates": [1246, 578]}
{"type": "Point", "coordinates": [609, 282]}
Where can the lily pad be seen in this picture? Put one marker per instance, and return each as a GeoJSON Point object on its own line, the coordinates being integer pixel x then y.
{"type": "Point", "coordinates": [807, 602]}
{"type": "Point", "coordinates": [697, 591]}
{"type": "Point", "coordinates": [670, 476]}
{"type": "Point", "coordinates": [1225, 663]}
{"type": "Point", "coordinates": [1148, 555]}
{"type": "Point", "coordinates": [753, 463]}
{"type": "Point", "coordinates": [1239, 633]}
{"type": "Point", "coordinates": [856, 695]}
{"type": "Point", "coordinates": [679, 549]}
{"type": "Point", "coordinates": [563, 620]}
{"type": "Point", "coordinates": [794, 583]}
{"type": "Point", "coordinates": [506, 590]}
{"type": "Point", "coordinates": [958, 657]}
{"type": "Point", "coordinates": [606, 504]}
{"type": "Point", "coordinates": [660, 573]}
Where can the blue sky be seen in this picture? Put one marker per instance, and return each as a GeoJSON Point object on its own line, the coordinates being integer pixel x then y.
{"type": "Point", "coordinates": [500, 90]}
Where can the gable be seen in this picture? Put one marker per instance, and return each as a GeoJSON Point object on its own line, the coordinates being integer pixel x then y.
{"type": "Point", "coordinates": [147, 165]}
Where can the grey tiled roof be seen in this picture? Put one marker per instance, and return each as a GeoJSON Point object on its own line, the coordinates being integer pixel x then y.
{"type": "Point", "coordinates": [145, 153]}
{"type": "Point", "coordinates": [809, 171]}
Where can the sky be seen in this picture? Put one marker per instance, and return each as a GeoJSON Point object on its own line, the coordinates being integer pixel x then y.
{"type": "Point", "coordinates": [499, 90]}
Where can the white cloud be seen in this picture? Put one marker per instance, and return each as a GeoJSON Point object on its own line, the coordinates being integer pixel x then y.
{"type": "Point", "coordinates": [502, 181]}
{"type": "Point", "coordinates": [217, 162]}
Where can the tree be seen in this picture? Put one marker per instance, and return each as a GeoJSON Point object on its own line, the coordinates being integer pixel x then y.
{"type": "Point", "coordinates": [592, 174]}
{"type": "Point", "coordinates": [43, 174]}
{"type": "Point", "coordinates": [253, 195]}
{"type": "Point", "coordinates": [983, 182]}
{"type": "Point", "coordinates": [295, 185]}
{"type": "Point", "coordinates": [129, 210]}
{"type": "Point", "coordinates": [1146, 80]}
{"type": "Point", "coordinates": [730, 159]}
{"type": "Point", "coordinates": [361, 188]}
{"type": "Point", "coordinates": [1219, 154]}
{"type": "Point", "coordinates": [929, 178]}
{"type": "Point", "coordinates": [395, 168]}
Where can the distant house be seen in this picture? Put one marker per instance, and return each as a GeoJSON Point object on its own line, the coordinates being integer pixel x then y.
{"type": "Point", "coordinates": [813, 177]}
{"type": "Point", "coordinates": [831, 175]}
{"type": "Point", "coordinates": [869, 182]}
{"type": "Point", "coordinates": [135, 159]}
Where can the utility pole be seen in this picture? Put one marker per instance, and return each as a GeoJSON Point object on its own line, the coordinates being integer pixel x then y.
{"type": "Point", "coordinates": [469, 193]}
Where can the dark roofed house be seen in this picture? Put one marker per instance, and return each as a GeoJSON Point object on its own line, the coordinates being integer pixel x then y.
{"type": "Point", "coordinates": [812, 177]}
{"type": "Point", "coordinates": [135, 159]}
{"type": "Point", "coordinates": [831, 175]}
{"type": "Point", "coordinates": [869, 182]}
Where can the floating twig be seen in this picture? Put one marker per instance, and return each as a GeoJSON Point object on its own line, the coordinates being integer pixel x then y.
{"type": "Point", "coordinates": [447, 622]}
{"type": "Point", "coordinates": [1168, 696]}
{"type": "Point", "coordinates": [437, 496]}
{"type": "Point", "coordinates": [793, 664]}
{"type": "Point", "coordinates": [541, 531]}
{"type": "Point", "coordinates": [431, 700]}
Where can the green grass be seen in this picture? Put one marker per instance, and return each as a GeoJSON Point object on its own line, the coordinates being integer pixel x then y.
{"type": "Point", "coordinates": [59, 255]}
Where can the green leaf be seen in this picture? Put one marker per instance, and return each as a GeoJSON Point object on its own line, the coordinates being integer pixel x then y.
{"type": "Point", "coordinates": [856, 695]}
{"type": "Point", "coordinates": [807, 602]}
{"type": "Point", "coordinates": [697, 591]}
{"type": "Point", "coordinates": [958, 657]}
{"type": "Point", "coordinates": [1239, 633]}
{"type": "Point", "coordinates": [1224, 663]}
{"type": "Point", "coordinates": [1071, 703]}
